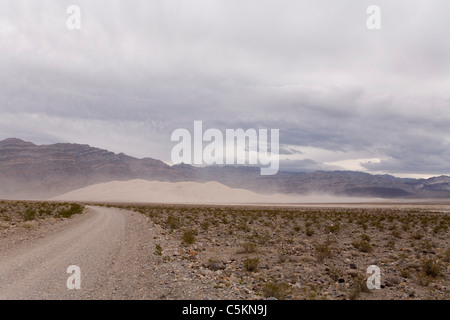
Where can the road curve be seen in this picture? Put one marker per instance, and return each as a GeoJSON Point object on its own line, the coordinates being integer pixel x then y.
{"type": "Point", "coordinates": [38, 269]}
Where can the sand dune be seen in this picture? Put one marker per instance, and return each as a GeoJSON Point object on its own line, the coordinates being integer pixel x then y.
{"type": "Point", "coordinates": [143, 191]}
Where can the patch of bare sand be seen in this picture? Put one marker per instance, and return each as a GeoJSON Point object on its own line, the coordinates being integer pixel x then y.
{"type": "Point", "coordinates": [143, 191]}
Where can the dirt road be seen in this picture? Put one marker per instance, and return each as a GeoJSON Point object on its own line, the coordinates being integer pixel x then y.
{"type": "Point", "coordinates": [38, 269]}
{"type": "Point", "coordinates": [114, 250]}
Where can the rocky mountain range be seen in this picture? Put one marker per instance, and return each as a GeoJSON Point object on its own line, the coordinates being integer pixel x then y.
{"type": "Point", "coordinates": [29, 171]}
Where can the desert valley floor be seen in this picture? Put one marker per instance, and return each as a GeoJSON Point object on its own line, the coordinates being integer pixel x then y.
{"type": "Point", "coordinates": [170, 251]}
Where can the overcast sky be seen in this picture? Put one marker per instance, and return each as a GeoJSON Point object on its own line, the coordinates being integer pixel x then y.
{"type": "Point", "coordinates": [342, 96]}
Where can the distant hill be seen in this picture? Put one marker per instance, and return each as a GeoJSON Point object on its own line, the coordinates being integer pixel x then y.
{"type": "Point", "coordinates": [29, 171]}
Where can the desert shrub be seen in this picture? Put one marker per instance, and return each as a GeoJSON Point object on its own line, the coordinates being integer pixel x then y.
{"type": "Point", "coordinates": [358, 285]}
{"type": "Point", "coordinates": [446, 255]}
{"type": "Point", "coordinates": [204, 225]}
{"type": "Point", "coordinates": [431, 267]}
{"type": "Point", "coordinates": [277, 290]}
{"type": "Point", "coordinates": [251, 264]}
{"type": "Point", "coordinates": [189, 236]}
{"type": "Point", "coordinates": [158, 250]}
{"type": "Point", "coordinates": [29, 214]}
{"type": "Point", "coordinates": [282, 256]}
{"type": "Point", "coordinates": [249, 247]}
{"type": "Point", "coordinates": [309, 231]}
{"type": "Point", "coordinates": [262, 238]}
{"type": "Point", "coordinates": [396, 233]}
{"type": "Point", "coordinates": [335, 273]}
{"type": "Point", "coordinates": [427, 244]}
{"type": "Point", "coordinates": [333, 228]}
{"type": "Point", "coordinates": [442, 226]}
{"type": "Point", "coordinates": [423, 279]}
{"type": "Point", "coordinates": [312, 292]}
{"type": "Point", "coordinates": [73, 209]}
{"type": "Point", "coordinates": [390, 244]}
{"type": "Point", "coordinates": [363, 246]}
{"type": "Point", "coordinates": [404, 273]}
{"type": "Point", "coordinates": [173, 222]}
{"type": "Point", "coordinates": [243, 227]}
{"type": "Point", "coordinates": [417, 236]}
{"type": "Point", "coordinates": [323, 252]}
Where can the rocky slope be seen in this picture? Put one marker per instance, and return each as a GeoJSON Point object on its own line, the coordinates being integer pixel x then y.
{"type": "Point", "coordinates": [28, 170]}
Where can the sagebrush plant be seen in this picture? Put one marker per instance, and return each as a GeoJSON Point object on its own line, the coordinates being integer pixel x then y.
{"type": "Point", "coordinates": [446, 255]}
{"type": "Point", "coordinates": [251, 264]}
{"type": "Point", "coordinates": [249, 247]}
{"type": "Point", "coordinates": [29, 214]}
{"type": "Point", "coordinates": [312, 292]}
{"type": "Point", "coordinates": [323, 251]}
{"type": "Point", "coordinates": [396, 233]}
{"type": "Point", "coordinates": [205, 225]}
{"type": "Point", "coordinates": [276, 290]}
{"type": "Point", "coordinates": [431, 267]}
{"type": "Point", "coordinates": [158, 250]}
{"type": "Point", "coordinates": [390, 244]}
{"type": "Point", "coordinates": [309, 231]}
{"type": "Point", "coordinates": [358, 286]}
{"type": "Point", "coordinates": [335, 273]}
{"type": "Point", "coordinates": [333, 228]}
{"type": "Point", "coordinates": [189, 236]}
{"type": "Point", "coordinates": [404, 273]}
{"type": "Point", "coordinates": [72, 210]}
{"type": "Point", "coordinates": [363, 244]}
{"type": "Point", "coordinates": [417, 236]}
{"type": "Point", "coordinates": [173, 222]}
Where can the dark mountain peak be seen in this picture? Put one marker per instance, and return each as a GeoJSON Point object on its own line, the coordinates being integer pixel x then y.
{"type": "Point", "coordinates": [40, 171]}
{"type": "Point", "coordinates": [15, 142]}
{"type": "Point", "coordinates": [439, 179]}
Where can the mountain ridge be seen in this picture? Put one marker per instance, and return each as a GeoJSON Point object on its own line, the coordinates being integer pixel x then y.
{"type": "Point", "coordinates": [35, 171]}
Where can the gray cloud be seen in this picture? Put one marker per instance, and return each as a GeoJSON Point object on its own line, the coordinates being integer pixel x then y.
{"type": "Point", "coordinates": [306, 165]}
{"type": "Point", "coordinates": [138, 70]}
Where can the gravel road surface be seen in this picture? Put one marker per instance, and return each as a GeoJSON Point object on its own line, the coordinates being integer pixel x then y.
{"type": "Point", "coordinates": [37, 269]}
